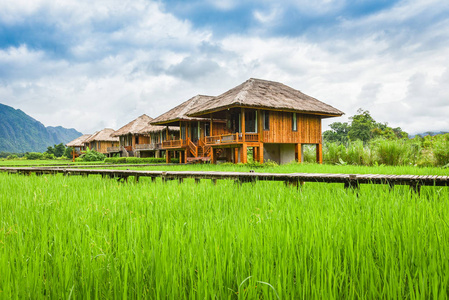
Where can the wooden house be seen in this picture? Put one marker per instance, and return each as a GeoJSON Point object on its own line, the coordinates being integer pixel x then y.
{"type": "Point", "coordinates": [100, 141]}
{"type": "Point", "coordinates": [189, 145]}
{"type": "Point", "coordinates": [139, 138]}
{"type": "Point", "coordinates": [271, 118]}
{"type": "Point", "coordinates": [79, 144]}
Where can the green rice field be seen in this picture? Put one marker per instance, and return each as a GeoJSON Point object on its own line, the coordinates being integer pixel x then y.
{"type": "Point", "coordinates": [79, 237]}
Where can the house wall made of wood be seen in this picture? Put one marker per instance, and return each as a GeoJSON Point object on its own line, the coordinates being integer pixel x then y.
{"type": "Point", "coordinates": [308, 128]}
{"type": "Point", "coordinates": [102, 147]}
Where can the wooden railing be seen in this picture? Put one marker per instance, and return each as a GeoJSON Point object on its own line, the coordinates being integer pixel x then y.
{"type": "Point", "coordinates": [153, 146]}
{"type": "Point", "coordinates": [232, 138]}
{"type": "Point", "coordinates": [174, 144]}
{"type": "Point", "coordinates": [192, 147]}
{"type": "Point", "coordinates": [113, 149]}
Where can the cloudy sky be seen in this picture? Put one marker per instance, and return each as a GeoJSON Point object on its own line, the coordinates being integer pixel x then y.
{"type": "Point", "coordinates": [92, 64]}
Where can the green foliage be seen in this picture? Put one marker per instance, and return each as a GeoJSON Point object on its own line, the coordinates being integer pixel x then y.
{"type": "Point", "coordinates": [68, 152]}
{"type": "Point", "coordinates": [12, 156]}
{"type": "Point", "coordinates": [92, 156]}
{"type": "Point", "coordinates": [441, 150]}
{"type": "Point", "coordinates": [34, 155]}
{"type": "Point", "coordinates": [363, 127]}
{"type": "Point", "coordinates": [338, 134]}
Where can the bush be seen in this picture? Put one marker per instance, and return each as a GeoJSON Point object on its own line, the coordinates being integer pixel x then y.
{"type": "Point", "coordinates": [12, 156]}
{"type": "Point", "coordinates": [92, 156]}
{"type": "Point", "coordinates": [48, 156]}
{"type": "Point", "coordinates": [441, 150]}
{"type": "Point", "coordinates": [34, 155]}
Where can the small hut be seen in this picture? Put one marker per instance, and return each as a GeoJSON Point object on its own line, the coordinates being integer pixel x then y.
{"type": "Point", "coordinates": [100, 141]}
{"type": "Point", "coordinates": [78, 144]}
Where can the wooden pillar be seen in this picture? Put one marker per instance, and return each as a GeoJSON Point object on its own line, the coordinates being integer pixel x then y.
{"type": "Point", "coordinates": [299, 152]}
{"type": "Point", "coordinates": [211, 122]}
{"type": "Point", "coordinates": [244, 153]}
{"type": "Point", "coordinates": [243, 125]}
{"type": "Point", "coordinates": [212, 156]}
{"type": "Point", "coordinates": [236, 155]}
{"type": "Point", "coordinates": [319, 153]}
{"type": "Point", "coordinates": [166, 133]}
{"type": "Point", "coordinates": [185, 156]}
{"type": "Point", "coordinates": [167, 157]}
{"type": "Point", "coordinates": [261, 153]}
{"type": "Point", "coordinates": [260, 125]}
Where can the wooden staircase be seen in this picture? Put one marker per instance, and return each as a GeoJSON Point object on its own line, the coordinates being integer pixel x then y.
{"type": "Point", "coordinates": [200, 153]}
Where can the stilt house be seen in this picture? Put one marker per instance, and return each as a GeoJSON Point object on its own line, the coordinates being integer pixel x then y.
{"type": "Point", "coordinates": [139, 138]}
{"type": "Point", "coordinates": [100, 141]}
{"type": "Point", "coordinates": [275, 120]}
{"type": "Point", "coordinates": [189, 146]}
{"type": "Point", "coordinates": [78, 144]}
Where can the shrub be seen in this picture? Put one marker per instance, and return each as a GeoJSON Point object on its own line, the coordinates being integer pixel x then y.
{"type": "Point", "coordinates": [93, 156]}
{"type": "Point", "coordinates": [12, 156]}
{"type": "Point", "coordinates": [48, 156]}
{"type": "Point", "coordinates": [34, 155]}
{"type": "Point", "coordinates": [441, 150]}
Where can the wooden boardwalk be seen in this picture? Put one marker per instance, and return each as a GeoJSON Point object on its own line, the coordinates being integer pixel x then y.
{"type": "Point", "coordinates": [295, 179]}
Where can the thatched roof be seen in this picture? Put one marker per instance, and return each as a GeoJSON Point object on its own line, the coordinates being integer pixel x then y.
{"type": "Point", "coordinates": [156, 128]}
{"type": "Point", "coordinates": [179, 113]}
{"type": "Point", "coordinates": [266, 94]}
{"type": "Point", "coordinates": [103, 136]}
{"type": "Point", "coordinates": [134, 127]}
{"type": "Point", "coordinates": [78, 142]}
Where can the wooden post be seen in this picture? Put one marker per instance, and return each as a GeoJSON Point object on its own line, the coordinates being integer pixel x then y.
{"type": "Point", "coordinates": [260, 125]}
{"type": "Point", "coordinates": [167, 157]}
{"type": "Point", "coordinates": [73, 154]}
{"type": "Point", "coordinates": [212, 156]}
{"type": "Point", "coordinates": [243, 125]}
{"type": "Point", "coordinates": [299, 152]}
{"type": "Point", "coordinates": [319, 153]}
{"type": "Point", "coordinates": [211, 133]}
{"type": "Point", "coordinates": [261, 153]}
{"type": "Point", "coordinates": [236, 155]}
{"type": "Point", "coordinates": [166, 133]}
{"type": "Point", "coordinates": [244, 153]}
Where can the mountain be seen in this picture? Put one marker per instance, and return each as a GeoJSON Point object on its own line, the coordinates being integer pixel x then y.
{"type": "Point", "coordinates": [21, 133]}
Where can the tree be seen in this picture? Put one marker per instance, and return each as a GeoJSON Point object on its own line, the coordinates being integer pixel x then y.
{"type": "Point", "coordinates": [361, 126]}
{"type": "Point", "coordinates": [339, 133]}
{"type": "Point", "coordinates": [68, 152]}
{"type": "Point", "coordinates": [59, 150]}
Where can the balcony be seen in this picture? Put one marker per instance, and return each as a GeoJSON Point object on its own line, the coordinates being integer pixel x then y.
{"type": "Point", "coordinates": [175, 144]}
{"type": "Point", "coordinates": [143, 147]}
{"type": "Point", "coordinates": [113, 149]}
{"type": "Point", "coordinates": [235, 138]}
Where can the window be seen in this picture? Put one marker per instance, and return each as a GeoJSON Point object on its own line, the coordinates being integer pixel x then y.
{"type": "Point", "coordinates": [266, 120]}
{"type": "Point", "coordinates": [294, 122]}
{"type": "Point", "coordinates": [250, 121]}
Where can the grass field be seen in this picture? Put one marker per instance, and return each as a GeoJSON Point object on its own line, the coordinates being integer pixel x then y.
{"type": "Point", "coordinates": [93, 238]}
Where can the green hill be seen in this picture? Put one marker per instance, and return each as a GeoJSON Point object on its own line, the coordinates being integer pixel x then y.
{"type": "Point", "coordinates": [21, 133]}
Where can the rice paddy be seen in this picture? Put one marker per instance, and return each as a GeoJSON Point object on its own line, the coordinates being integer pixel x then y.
{"type": "Point", "coordinates": [92, 238]}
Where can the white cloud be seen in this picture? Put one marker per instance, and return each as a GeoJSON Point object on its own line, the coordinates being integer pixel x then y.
{"type": "Point", "coordinates": [129, 58]}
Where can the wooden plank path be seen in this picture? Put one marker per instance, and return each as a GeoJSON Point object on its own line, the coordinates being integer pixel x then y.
{"type": "Point", "coordinates": [295, 179]}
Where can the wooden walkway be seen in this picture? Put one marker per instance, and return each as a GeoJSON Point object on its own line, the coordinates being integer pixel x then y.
{"type": "Point", "coordinates": [294, 179]}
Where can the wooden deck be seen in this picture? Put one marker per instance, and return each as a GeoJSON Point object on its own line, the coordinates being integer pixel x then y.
{"type": "Point", "coordinates": [295, 179]}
